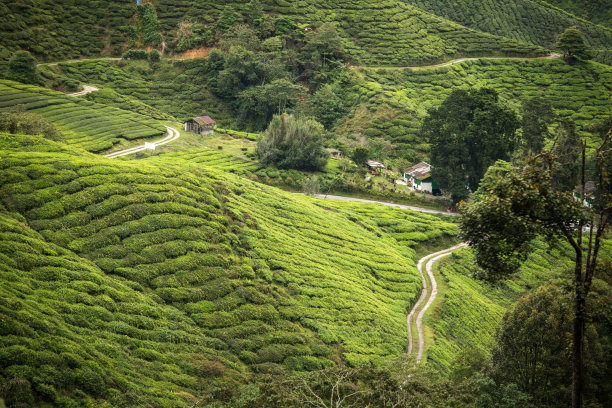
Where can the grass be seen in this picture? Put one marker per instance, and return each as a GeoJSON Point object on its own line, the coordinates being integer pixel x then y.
{"type": "Point", "coordinates": [164, 280]}
{"type": "Point", "coordinates": [87, 125]}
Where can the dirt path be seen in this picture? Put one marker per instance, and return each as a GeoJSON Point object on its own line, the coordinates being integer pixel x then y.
{"type": "Point", "coordinates": [457, 61]}
{"type": "Point", "coordinates": [173, 134]}
{"type": "Point", "coordinates": [86, 89]}
{"type": "Point", "coordinates": [81, 60]}
{"type": "Point", "coordinates": [402, 206]}
{"type": "Point", "coordinates": [429, 261]}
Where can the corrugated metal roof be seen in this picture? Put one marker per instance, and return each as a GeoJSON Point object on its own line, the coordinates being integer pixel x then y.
{"type": "Point", "coordinates": [204, 120]}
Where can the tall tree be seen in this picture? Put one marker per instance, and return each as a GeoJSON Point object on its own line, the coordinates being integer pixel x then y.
{"type": "Point", "coordinates": [525, 204]}
{"type": "Point", "coordinates": [537, 114]}
{"type": "Point", "coordinates": [22, 68]}
{"type": "Point", "coordinates": [467, 133]}
{"type": "Point", "coordinates": [566, 150]}
{"type": "Point", "coordinates": [573, 45]}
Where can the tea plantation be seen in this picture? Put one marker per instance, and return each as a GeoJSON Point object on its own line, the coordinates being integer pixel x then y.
{"type": "Point", "coordinates": [149, 282]}
{"type": "Point", "coordinates": [87, 125]}
{"type": "Point", "coordinates": [395, 101]}
{"type": "Point", "coordinates": [175, 88]}
{"type": "Point", "coordinates": [534, 22]}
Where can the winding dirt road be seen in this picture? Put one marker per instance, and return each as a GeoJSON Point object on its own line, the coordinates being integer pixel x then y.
{"type": "Point", "coordinates": [428, 261]}
{"type": "Point", "coordinates": [363, 200]}
{"type": "Point", "coordinates": [86, 89]}
{"type": "Point", "coordinates": [173, 134]}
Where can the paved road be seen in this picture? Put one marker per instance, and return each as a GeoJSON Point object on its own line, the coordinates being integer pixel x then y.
{"type": "Point", "coordinates": [402, 206]}
{"type": "Point", "coordinates": [86, 89]}
{"type": "Point", "coordinates": [428, 260]}
{"type": "Point", "coordinates": [173, 134]}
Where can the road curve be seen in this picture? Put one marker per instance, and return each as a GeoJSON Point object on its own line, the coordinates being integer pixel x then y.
{"type": "Point", "coordinates": [402, 206]}
{"type": "Point", "coordinates": [86, 89]}
{"type": "Point", "coordinates": [428, 260]}
{"type": "Point", "coordinates": [173, 134]}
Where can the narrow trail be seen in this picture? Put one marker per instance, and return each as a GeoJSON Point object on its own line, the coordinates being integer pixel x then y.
{"type": "Point", "coordinates": [402, 206]}
{"type": "Point", "coordinates": [459, 60]}
{"type": "Point", "coordinates": [173, 134]}
{"type": "Point", "coordinates": [428, 261]}
{"type": "Point", "coordinates": [80, 60]}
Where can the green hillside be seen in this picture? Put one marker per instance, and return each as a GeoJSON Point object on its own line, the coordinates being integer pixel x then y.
{"type": "Point", "coordinates": [522, 20]}
{"type": "Point", "coordinates": [383, 32]}
{"type": "Point", "coordinates": [597, 11]}
{"type": "Point", "coordinates": [393, 102]}
{"type": "Point", "coordinates": [175, 88]}
{"type": "Point", "coordinates": [87, 125]}
{"type": "Point", "coordinates": [176, 278]}
{"type": "Point", "coordinates": [469, 311]}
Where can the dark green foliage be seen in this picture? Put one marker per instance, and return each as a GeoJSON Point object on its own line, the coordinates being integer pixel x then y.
{"type": "Point", "coordinates": [154, 56]}
{"type": "Point", "coordinates": [148, 26]}
{"type": "Point", "coordinates": [537, 115]}
{"type": "Point", "coordinates": [326, 106]}
{"type": "Point", "coordinates": [533, 348]}
{"type": "Point", "coordinates": [518, 207]}
{"type": "Point", "coordinates": [136, 55]}
{"type": "Point", "coordinates": [293, 143]}
{"type": "Point", "coordinates": [572, 43]}
{"type": "Point", "coordinates": [597, 11]}
{"type": "Point", "coordinates": [360, 156]}
{"type": "Point", "coordinates": [566, 150]}
{"type": "Point", "coordinates": [29, 123]}
{"type": "Point", "coordinates": [468, 132]}
{"type": "Point", "coordinates": [22, 68]}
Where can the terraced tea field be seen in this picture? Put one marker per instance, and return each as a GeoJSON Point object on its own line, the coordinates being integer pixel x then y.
{"type": "Point", "coordinates": [395, 100]}
{"type": "Point", "coordinates": [87, 125]}
{"type": "Point", "coordinates": [211, 159]}
{"type": "Point", "coordinates": [169, 251]}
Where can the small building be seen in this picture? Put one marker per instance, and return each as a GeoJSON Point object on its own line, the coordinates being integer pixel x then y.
{"type": "Point", "coordinates": [375, 166]}
{"type": "Point", "coordinates": [420, 177]}
{"type": "Point", "coordinates": [203, 125]}
{"type": "Point", "coordinates": [588, 195]}
{"type": "Point", "coordinates": [335, 153]}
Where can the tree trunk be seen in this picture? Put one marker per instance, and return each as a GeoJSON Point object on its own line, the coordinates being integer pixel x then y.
{"type": "Point", "coordinates": [578, 336]}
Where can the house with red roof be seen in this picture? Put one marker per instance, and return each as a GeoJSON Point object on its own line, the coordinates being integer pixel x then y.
{"type": "Point", "coordinates": [203, 125]}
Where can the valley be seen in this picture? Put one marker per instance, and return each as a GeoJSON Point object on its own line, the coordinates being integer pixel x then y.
{"type": "Point", "coordinates": [313, 203]}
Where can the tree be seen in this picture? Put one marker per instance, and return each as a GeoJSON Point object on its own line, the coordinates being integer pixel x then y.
{"type": "Point", "coordinates": [292, 143]}
{"type": "Point", "coordinates": [154, 56]}
{"type": "Point", "coordinates": [327, 106]}
{"type": "Point", "coordinates": [566, 151]}
{"type": "Point", "coordinates": [22, 68]}
{"type": "Point", "coordinates": [525, 204]}
{"type": "Point", "coordinates": [467, 133]}
{"type": "Point", "coordinates": [573, 45]}
{"type": "Point", "coordinates": [29, 123]}
{"type": "Point", "coordinates": [360, 156]}
{"type": "Point", "coordinates": [537, 114]}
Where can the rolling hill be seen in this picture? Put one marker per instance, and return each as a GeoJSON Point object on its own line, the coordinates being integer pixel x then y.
{"type": "Point", "coordinates": [176, 278]}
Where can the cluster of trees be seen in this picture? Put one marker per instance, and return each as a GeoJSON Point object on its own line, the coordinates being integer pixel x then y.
{"type": "Point", "coordinates": [22, 68]}
{"type": "Point", "coordinates": [19, 121]}
{"type": "Point", "coordinates": [261, 72]}
{"type": "Point", "coordinates": [147, 29]}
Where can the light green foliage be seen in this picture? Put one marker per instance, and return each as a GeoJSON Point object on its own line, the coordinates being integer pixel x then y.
{"type": "Point", "coordinates": [471, 310]}
{"type": "Point", "coordinates": [535, 22]}
{"type": "Point", "coordinates": [85, 124]}
{"type": "Point", "coordinates": [179, 281]}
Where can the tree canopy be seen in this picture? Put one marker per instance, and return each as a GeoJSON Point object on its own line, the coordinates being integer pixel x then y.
{"type": "Point", "coordinates": [537, 114]}
{"type": "Point", "coordinates": [573, 45]}
{"type": "Point", "coordinates": [467, 133]}
{"type": "Point", "coordinates": [293, 143]}
{"type": "Point", "coordinates": [22, 68]}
